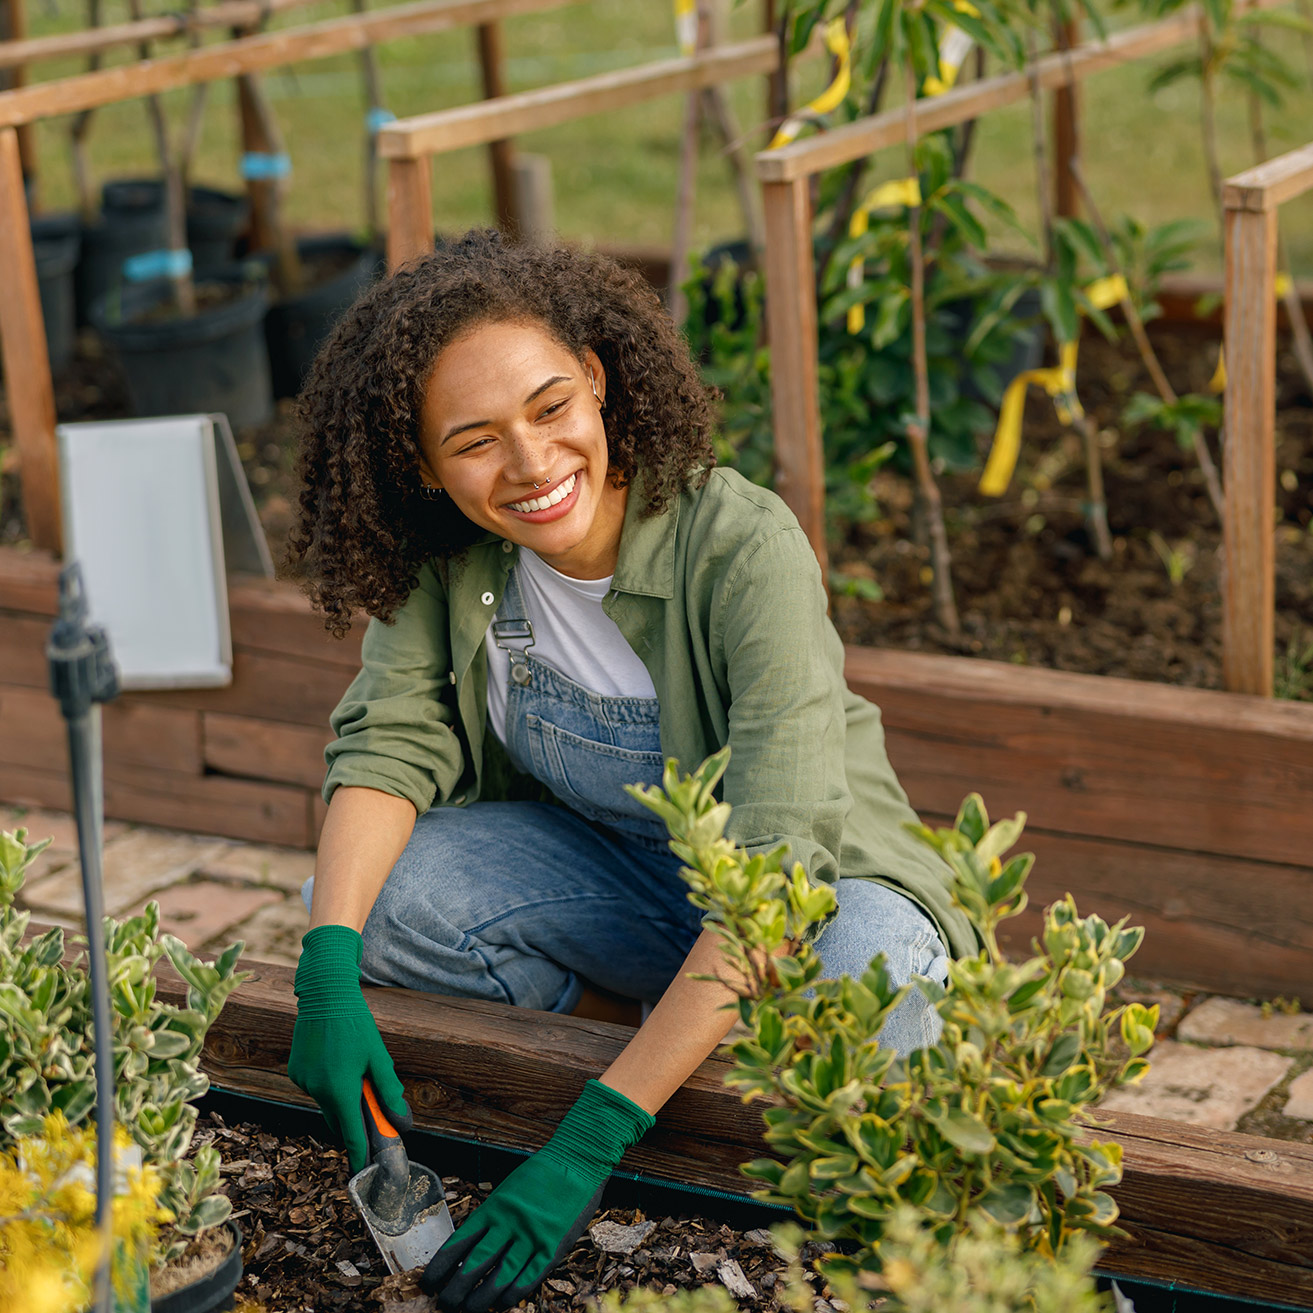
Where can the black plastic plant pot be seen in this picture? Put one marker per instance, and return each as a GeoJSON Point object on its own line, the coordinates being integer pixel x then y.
{"type": "Point", "coordinates": [215, 220]}
{"type": "Point", "coordinates": [297, 326]}
{"type": "Point", "coordinates": [57, 241]}
{"type": "Point", "coordinates": [212, 1292]}
{"type": "Point", "coordinates": [131, 222]}
{"type": "Point", "coordinates": [211, 361]}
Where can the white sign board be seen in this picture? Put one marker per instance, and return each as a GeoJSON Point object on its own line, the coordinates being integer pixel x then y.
{"type": "Point", "coordinates": [142, 516]}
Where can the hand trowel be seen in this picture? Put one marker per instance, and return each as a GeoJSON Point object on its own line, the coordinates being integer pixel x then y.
{"type": "Point", "coordinates": [403, 1203]}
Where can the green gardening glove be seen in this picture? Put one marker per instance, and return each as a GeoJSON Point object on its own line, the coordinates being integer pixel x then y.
{"type": "Point", "coordinates": [531, 1221]}
{"type": "Point", "coordinates": [335, 1043]}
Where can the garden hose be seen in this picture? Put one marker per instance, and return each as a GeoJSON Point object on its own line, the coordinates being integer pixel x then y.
{"type": "Point", "coordinates": [82, 675]}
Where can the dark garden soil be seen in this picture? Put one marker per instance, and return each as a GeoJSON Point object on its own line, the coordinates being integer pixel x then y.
{"type": "Point", "coordinates": [306, 1248]}
{"type": "Point", "coordinates": [1029, 585]}
{"type": "Point", "coordinates": [1030, 588]}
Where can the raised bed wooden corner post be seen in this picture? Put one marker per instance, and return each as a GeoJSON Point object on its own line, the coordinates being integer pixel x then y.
{"type": "Point", "coordinates": [26, 367]}
{"type": "Point", "coordinates": [410, 210]}
{"type": "Point", "coordinates": [791, 323]}
{"type": "Point", "coordinates": [1251, 200]}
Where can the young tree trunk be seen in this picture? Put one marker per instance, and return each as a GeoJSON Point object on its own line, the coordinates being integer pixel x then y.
{"type": "Point", "coordinates": [175, 192]}
{"type": "Point", "coordinates": [1147, 354]}
{"type": "Point", "coordinates": [918, 430]}
{"type": "Point", "coordinates": [1096, 514]}
{"type": "Point", "coordinates": [77, 137]}
{"type": "Point", "coordinates": [1208, 123]}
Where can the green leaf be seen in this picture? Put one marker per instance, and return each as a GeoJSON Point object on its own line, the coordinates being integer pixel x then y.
{"type": "Point", "coordinates": [965, 1131]}
{"type": "Point", "coordinates": [972, 818]}
{"type": "Point", "coordinates": [1066, 1049]}
{"type": "Point", "coordinates": [1008, 1205]}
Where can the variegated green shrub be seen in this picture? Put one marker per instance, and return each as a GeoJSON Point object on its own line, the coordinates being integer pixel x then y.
{"type": "Point", "coordinates": [47, 1057]}
{"type": "Point", "coordinates": [990, 1121]}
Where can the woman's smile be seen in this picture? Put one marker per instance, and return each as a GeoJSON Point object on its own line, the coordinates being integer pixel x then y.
{"type": "Point", "coordinates": [551, 505]}
{"type": "Point", "coordinates": [511, 429]}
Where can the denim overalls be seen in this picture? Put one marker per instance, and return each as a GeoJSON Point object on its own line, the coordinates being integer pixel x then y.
{"type": "Point", "coordinates": [522, 902]}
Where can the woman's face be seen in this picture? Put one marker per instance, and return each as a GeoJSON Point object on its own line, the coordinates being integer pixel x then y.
{"type": "Point", "coordinates": [508, 407]}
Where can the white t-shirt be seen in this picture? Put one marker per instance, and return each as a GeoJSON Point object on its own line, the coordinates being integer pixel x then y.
{"type": "Point", "coordinates": [571, 633]}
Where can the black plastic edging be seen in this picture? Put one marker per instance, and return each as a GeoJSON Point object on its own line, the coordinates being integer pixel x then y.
{"type": "Point", "coordinates": [474, 1160]}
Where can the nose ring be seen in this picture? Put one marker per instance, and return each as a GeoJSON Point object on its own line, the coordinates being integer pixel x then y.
{"type": "Point", "coordinates": [543, 484]}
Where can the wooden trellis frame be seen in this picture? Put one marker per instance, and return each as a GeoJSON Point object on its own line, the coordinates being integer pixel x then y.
{"type": "Point", "coordinates": [786, 174]}
{"type": "Point", "coordinates": [28, 385]}
{"type": "Point", "coordinates": [410, 144]}
{"type": "Point", "coordinates": [1251, 200]}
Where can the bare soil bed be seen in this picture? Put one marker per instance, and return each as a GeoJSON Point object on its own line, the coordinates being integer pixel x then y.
{"type": "Point", "coordinates": [1029, 585]}
{"type": "Point", "coordinates": [306, 1248]}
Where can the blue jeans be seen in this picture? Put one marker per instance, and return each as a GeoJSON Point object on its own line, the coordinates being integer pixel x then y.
{"type": "Point", "coordinates": [522, 903]}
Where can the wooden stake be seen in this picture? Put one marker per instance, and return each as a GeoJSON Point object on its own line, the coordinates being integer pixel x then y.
{"type": "Point", "coordinates": [791, 324]}
{"type": "Point", "coordinates": [13, 27]}
{"type": "Point", "coordinates": [1248, 574]}
{"type": "Point", "coordinates": [501, 154]}
{"type": "Point", "coordinates": [372, 81]}
{"type": "Point", "coordinates": [410, 210]}
{"type": "Point", "coordinates": [1066, 129]}
{"type": "Point", "coordinates": [686, 188]}
{"type": "Point", "coordinates": [28, 386]}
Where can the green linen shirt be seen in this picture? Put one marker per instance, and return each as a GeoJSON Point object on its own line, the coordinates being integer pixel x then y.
{"type": "Point", "coordinates": [721, 599]}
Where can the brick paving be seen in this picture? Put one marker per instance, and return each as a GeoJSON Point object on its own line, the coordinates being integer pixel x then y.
{"type": "Point", "coordinates": [1219, 1062]}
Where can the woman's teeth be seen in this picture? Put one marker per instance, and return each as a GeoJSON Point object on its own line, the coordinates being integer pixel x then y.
{"type": "Point", "coordinates": [548, 499]}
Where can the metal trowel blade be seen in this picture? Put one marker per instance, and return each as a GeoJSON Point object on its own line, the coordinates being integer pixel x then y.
{"type": "Point", "coordinates": [419, 1231]}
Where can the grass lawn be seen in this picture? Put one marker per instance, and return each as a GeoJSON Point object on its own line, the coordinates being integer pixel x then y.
{"type": "Point", "coordinates": [614, 176]}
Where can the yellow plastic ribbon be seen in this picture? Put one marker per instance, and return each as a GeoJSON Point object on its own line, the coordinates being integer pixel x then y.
{"type": "Point", "coordinates": [954, 46]}
{"type": "Point", "coordinates": [1060, 384]}
{"type": "Point", "coordinates": [900, 191]}
{"type": "Point", "coordinates": [1217, 383]}
{"type": "Point", "coordinates": [686, 26]}
{"type": "Point", "coordinates": [837, 43]}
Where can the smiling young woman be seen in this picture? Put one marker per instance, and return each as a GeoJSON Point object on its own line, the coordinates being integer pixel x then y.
{"type": "Point", "coordinates": [507, 464]}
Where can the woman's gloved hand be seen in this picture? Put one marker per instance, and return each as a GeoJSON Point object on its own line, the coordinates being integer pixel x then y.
{"type": "Point", "coordinates": [504, 1249]}
{"type": "Point", "coordinates": [335, 1042]}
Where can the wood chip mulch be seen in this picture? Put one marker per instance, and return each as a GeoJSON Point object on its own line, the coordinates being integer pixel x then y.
{"type": "Point", "coordinates": [306, 1250]}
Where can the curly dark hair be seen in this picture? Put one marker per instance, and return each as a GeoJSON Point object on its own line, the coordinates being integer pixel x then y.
{"type": "Point", "coordinates": [363, 530]}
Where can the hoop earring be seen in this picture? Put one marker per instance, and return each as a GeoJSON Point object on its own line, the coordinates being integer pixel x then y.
{"type": "Point", "coordinates": [592, 383]}
{"type": "Point", "coordinates": [428, 492]}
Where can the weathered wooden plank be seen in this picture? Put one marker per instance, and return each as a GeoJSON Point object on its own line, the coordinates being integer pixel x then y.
{"type": "Point", "coordinates": [268, 686]}
{"type": "Point", "coordinates": [274, 686]}
{"type": "Point", "coordinates": [259, 811]}
{"type": "Point", "coordinates": [1230, 1213]}
{"type": "Point", "coordinates": [545, 107]}
{"type": "Point", "coordinates": [1148, 764]}
{"type": "Point", "coordinates": [273, 616]}
{"type": "Point", "coordinates": [410, 210]}
{"type": "Point", "coordinates": [791, 324]}
{"type": "Point", "coordinates": [842, 145]}
{"type": "Point", "coordinates": [29, 581]}
{"type": "Point", "coordinates": [1220, 924]}
{"type": "Point", "coordinates": [253, 749]}
{"type": "Point", "coordinates": [1270, 184]}
{"type": "Point", "coordinates": [135, 733]}
{"type": "Point", "coordinates": [1249, 453]}
{"type": "Point", "coordinates": [230, 59]}
{"type": "Point", "coordinates": [29, 391]}
{"type": "Point", "coordinates": [65, 45]}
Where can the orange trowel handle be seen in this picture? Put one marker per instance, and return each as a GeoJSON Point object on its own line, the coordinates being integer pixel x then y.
{"type": "Point", "coordinates": [376, 1121]}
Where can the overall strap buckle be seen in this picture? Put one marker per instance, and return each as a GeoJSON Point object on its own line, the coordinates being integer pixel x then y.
{"type": "Point", "coordinates": [515, 638]}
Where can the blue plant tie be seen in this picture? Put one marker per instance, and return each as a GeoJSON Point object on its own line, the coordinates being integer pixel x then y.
{"type": "Point", "coordinates": [165, 263]}
{"type": "Point", "coordinates": [378, 118]}
{"type": "Point", "coordinates": [258, 166]}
